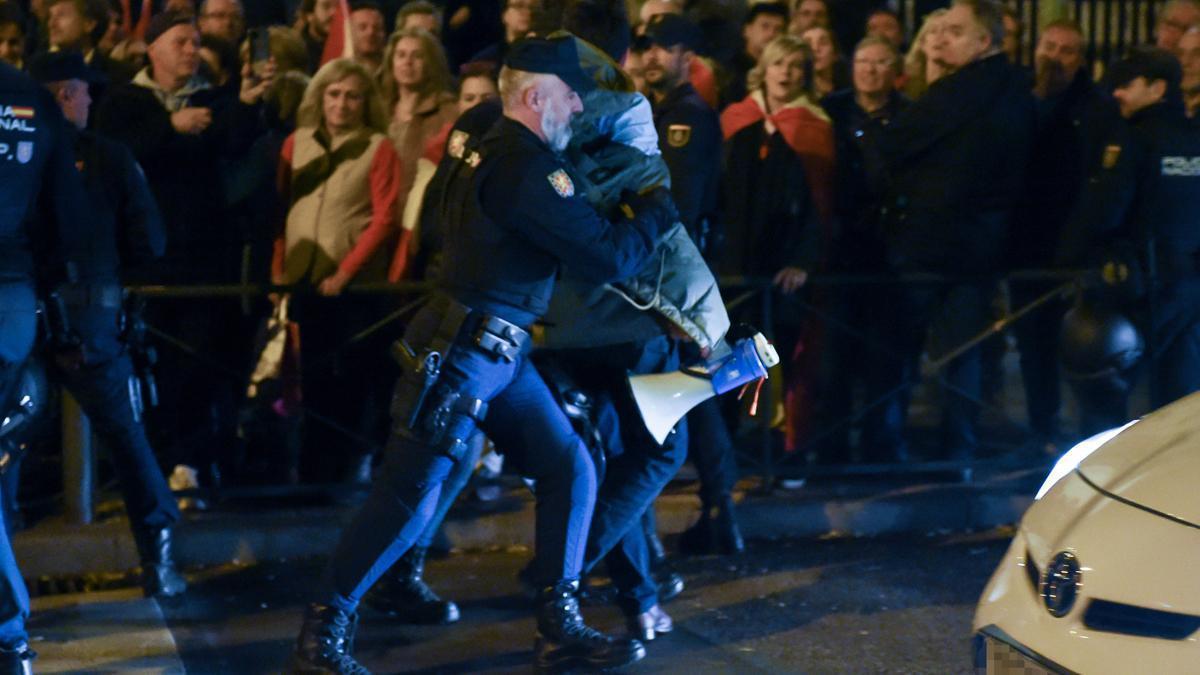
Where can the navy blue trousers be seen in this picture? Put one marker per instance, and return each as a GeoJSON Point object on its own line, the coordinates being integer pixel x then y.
{"type": "Point", "coordinates": [18, 327]}
{"type": "Point", "coordinates": [525, 423]}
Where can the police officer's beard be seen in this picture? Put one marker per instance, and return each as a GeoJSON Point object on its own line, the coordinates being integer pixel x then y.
{"type": "Point", "coordinates": [557, 131]}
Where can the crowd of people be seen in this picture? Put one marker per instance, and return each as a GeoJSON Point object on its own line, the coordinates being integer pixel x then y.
{"type": "Point", "coordinates": [321, 146]}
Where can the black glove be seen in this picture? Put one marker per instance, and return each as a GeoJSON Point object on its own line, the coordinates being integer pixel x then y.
{"type": "Point", "coordinates": [655, 206]}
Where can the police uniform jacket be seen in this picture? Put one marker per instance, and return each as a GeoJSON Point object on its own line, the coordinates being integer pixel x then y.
{"type": "Point", "coordinates": [1147, 185]}
{"type": "Point", "coordinates": [37, 174]}
{"type": "Point", "coordinates": [513, 216]}
{"type": "Point", "coordinates": [689, 135]}
{"type": "Point", "coordinates": [956, 160]}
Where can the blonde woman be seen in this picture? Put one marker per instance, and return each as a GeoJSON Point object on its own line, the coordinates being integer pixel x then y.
{"type": "Point", "coordinates": [920, 68]}
{"type": "Point", "coordinates": [778, 178]}
{"type": "Point", "coordinates": [418, 93]}
{"type": "Point", "coordinates": [340, 177]}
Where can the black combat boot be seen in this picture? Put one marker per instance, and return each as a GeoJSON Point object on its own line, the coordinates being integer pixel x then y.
{"type": "Point", "coordinates": [402, 593]}
{"type": "Point", "coordinates": [717, 530]}
{"type": "Point", "coordinates": [17, 661]}
{"type": "Point", "coordinates": [564, 641]}
{"type": "Point", "coordinates": [326, 644]}
{"type": "Point", "coordinates": [160, 578]}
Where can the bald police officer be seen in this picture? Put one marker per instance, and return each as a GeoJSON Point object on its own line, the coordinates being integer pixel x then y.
{"type": "Point", "coordinates": [512, 216]}
{"type": "Point", "coordinates": [38, 182]}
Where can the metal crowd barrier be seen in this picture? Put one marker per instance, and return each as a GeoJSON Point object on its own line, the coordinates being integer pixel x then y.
{"type": "Point", "coordinates": [79, 469]}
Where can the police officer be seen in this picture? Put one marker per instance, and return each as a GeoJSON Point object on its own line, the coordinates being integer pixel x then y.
{"type": "Point", "coordinates": [37, 177]}
{"type": "Point", "coordinates": [125, 229]}
{"type": "Point", "coordinates": [512, 217]}
{"type": "Point", "coordinates": [1142, 203]}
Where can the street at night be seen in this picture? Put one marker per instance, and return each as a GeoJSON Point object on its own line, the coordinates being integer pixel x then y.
{"type": "Point", "coordinates": [834, 605]}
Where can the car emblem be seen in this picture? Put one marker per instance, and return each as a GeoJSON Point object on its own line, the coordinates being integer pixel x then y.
{"type": "Point", "coordinates": [1061, 586]}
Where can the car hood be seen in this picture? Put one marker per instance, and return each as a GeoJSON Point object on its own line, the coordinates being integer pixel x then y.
{"type": "Point", "coordinates": [1155, 463]}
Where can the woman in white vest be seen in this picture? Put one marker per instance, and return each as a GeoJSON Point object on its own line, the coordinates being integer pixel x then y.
{"type": "Point", "coordinates": [340, 177]}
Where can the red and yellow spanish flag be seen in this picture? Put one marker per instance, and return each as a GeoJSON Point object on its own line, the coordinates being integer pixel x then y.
{"type": "Point", "coordinates": [339, 43]}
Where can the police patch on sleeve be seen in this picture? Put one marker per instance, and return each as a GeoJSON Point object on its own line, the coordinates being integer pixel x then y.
{"type": "Point", "coordinates": [561, 182]}
{"type": "Point", "coordinates": [678, 135]}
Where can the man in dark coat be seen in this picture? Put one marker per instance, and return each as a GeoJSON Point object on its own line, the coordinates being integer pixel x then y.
{"type": "Point", "coordinates": [957, 159]}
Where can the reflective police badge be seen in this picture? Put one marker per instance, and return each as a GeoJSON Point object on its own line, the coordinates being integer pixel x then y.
{"type": "Point", "coordinates": [678, 135]}
{"type": "Point", "coordinates": [24, 151]}
{"type": "Point", "coordinates": [458, 143]}
{"type": "Point", "coordinates": [561, 182]}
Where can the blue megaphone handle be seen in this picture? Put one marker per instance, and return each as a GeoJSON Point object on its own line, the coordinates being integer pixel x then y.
{"type": "Point", "coordinates": [740, 367]}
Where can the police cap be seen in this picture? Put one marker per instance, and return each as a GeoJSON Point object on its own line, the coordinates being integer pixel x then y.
{"type": "Point", "coordinates": [60, 67]}
{"type": "Point", "coordinates": [668, 30]}
{"type": "Point", "coordinates": [1151, 63]}
{"type": "Point", "coordinates": [557, 55]}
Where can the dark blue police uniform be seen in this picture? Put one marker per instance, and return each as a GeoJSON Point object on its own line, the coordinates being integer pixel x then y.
{"type": "Point", "coordinates": [37, 175]}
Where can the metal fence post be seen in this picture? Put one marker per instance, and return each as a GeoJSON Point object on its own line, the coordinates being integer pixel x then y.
{"type": "Point", "coordinates": [78, 461]}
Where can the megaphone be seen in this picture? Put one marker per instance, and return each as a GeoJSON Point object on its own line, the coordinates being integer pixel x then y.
{"type": "Point", "coordinates": [664, 398]}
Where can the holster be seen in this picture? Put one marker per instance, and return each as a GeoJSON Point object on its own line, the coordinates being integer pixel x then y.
{"type": "Point", "coordinates": [425, 408]}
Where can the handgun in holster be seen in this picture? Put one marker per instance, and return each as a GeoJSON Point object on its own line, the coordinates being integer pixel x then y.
{"type": "Point", "coordinates": [424, 407]}
{"type": "Point", "coordinates": [143, 388]}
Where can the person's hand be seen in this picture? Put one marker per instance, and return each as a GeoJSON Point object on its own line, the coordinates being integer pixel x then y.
{"type": "Point", "coordinates": [254, 85]}
{"type": "Point", "coordinates": [461, 17]}
{"type": "Point", "coordinates": [333, 284]}
{"type": "Point", "coordinates": [191, 120]}
{"type": "Point", "coordinates": [790, 279]}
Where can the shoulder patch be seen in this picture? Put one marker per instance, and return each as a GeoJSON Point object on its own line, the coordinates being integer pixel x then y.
{"type": "Point", "coordinates": [561, 182]}
{"type": "Point", "coordinates": [458, 143]}
{"type": "Point", "coordinates": [678, 135]}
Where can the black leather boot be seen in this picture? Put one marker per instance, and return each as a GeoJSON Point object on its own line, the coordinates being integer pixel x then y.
{"type": "Point", "coordinates": [17, 661]}
{"type": "Point", "coordinates": [403, 593]}
{"type": "Point", "coordinates": [716, 531]}
{"type": "Point", "coordinates": [160, 578]}
{"type": "Point", "coordinates": [326, 644]}
{"type": "Point", "coordinates": [564, 641]}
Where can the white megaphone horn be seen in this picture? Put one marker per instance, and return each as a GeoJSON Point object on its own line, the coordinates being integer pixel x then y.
{"type": "Point", "coordinates": [664, 398]}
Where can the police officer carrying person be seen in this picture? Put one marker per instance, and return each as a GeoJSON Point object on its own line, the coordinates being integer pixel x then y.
{"type": "Point", "coordinates": [125, 229]}
{"type": "Point", "coordinates": [1138, 219]}
{"type": "Point", "coordinates": [37, 178]}
{"type": "Point", "coordinates": [512, 217]}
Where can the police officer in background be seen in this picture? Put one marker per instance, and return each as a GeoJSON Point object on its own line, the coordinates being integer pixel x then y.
{"type": "Point", "coordinates": [37, 178]}
{"type": "Point", "coordinates": [125, 229]}
{"type": "Point", "coordinates": [512, 217]}
{"type": "Point", "coordinates": [1139, 213]}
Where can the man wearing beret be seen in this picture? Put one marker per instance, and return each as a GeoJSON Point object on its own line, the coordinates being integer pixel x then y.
{"type": "Point", "coordinates": [125, 230]}
{"type": "Point", "coordinates": [512, 217]}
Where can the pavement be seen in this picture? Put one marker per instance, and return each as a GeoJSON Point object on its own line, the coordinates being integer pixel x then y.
{"type": "Point", "coordinates": [227, 549]}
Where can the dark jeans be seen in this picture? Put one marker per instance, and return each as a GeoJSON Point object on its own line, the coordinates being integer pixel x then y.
{"type": "Point", "coordinates": [637, 471]}
{"type": "Point", "coordinates": [18, 327]}
{"type": "Point", "coordinates": [712, 451]}
{"type": "Point", "coordinates": [950, 315]}
{"type": "Point", "coordinates": [1037, 341]}
{"type": "Point", "coordinates": [525, 422]}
